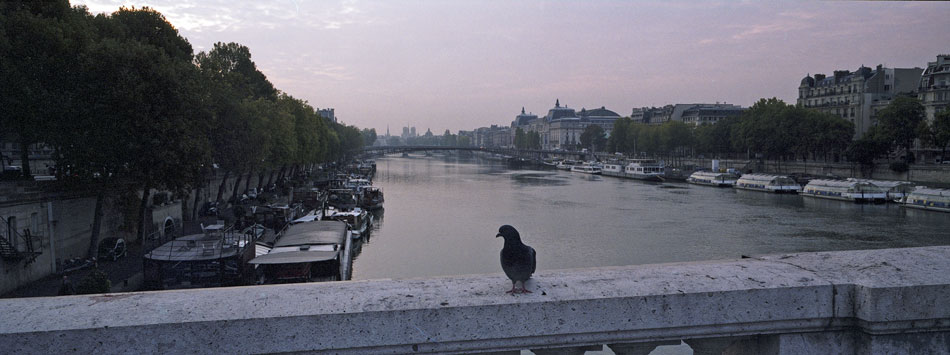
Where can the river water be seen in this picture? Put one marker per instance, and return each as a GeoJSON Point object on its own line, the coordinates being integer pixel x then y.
{"type": "Point", "coordinates": [442, 213]}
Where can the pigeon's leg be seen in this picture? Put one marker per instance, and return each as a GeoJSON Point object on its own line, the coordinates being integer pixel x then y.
{"type": "Point", "coordinates": [523, 289]}
{"type": "Point", "coordinates": [513, 290]}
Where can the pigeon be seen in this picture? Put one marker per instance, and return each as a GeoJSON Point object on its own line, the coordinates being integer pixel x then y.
{"type": "Point", "coordinates": [517, 259]}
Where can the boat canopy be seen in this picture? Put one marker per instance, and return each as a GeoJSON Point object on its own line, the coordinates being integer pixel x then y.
{"type": "Point", "coordinates": [713, 175]}
{"type": "Point", "coordinates": [891, 186]}
{"type": "Point", "coordinates": [929, 192]}
{"type": "Point", "coordinates": [293, 257]}
{"type": "Point", "coordinates": [766, 178]}
{"type": "Point", "coordinates": [844, 185]}
{"type": "Point", "coordinates": [317, 232]}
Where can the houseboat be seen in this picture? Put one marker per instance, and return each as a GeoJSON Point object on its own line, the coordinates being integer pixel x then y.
{"type": "Point", "coordinates": [896, 190]}
{"type": "Point", "coordinates": [768, 183]}
{"type": "Point", "coordinates": [856, 191]}
{"type": "Point", "coordinates": [587, 168]}
{"type": "Point", "coordinates": [305, 252]}
{"type": "Point", "coordinates": [356, 219]}
{"type": "Point", "coordinates": [644, 169]}
{"type": "Point", "coordinates": [216, 257]}
{"type": "Point", "coordinates": [343, 199]}
{"type": "Point", "coordinates": [712, 179]}
{"type": "Point", "coordinates": [372, 198]}
{"type": "Point", "coordinates": [929, 199]}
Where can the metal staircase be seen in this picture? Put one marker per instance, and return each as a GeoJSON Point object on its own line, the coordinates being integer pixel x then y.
{"type": "Point", "coordinates": [11, 252]}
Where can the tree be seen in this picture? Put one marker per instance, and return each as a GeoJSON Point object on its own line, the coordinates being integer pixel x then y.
{"type": "Point", "coordinates": [520, 139]}
{"type": "Point", "coordinates": [937, 132]}
{"type": "Point", "coordinates": [675, 135]}
{"type": "Point", "coordinates": [232, 77]}
{"type": "Point", "coordinates": [594, 137]}
{"type": "Point", "coordinates": [868, 148]}
{"type": "Point", "coordinates": [900, 122]}
{"type": "Point", "coordinates": [40, 43]}
{"type": "Point", "coordinates": [464, 141]}
{"type": "Point", "coordinates": [617, 142]}
{"type": "Point", "coordinates": [369, 136]}
{"type": "Point", "coordinates": [533, 140]}
{"type": "Point", "coordinates": [158, 147]}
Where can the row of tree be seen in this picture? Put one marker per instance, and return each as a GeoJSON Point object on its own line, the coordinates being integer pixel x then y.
{"type": "Point", "coordinates": [772, 129]}
{"type": "Point", "coordinates": [122, 100]}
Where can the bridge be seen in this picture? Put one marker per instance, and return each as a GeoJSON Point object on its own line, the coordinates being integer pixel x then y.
{"type": "Point", "coordinates": [886, 301]}
{"type": "Point", "coordinates": [529, 153]}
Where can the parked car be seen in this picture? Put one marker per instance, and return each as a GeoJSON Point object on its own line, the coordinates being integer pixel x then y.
{"type": "Point", "coordinates": [112, 248]}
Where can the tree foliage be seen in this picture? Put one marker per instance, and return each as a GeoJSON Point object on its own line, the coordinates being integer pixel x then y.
{"type": "Point", "coordinates": [900, 122]}
{"type": "Point", "coordinates": [594, 137]}
{"type": "Point", "coordinates": [121, 98]}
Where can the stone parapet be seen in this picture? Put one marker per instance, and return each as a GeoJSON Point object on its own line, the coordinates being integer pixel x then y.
{"type": "Point", "coordinates": [851, 302]}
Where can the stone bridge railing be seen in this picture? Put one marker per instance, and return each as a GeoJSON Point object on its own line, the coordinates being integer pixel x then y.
{"type": "Point", "coordinates": [889, 301]}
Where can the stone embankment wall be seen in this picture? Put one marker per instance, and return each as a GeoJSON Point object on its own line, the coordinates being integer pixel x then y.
{"type": "Point", "coordinates": [61, 222]}
{"type": "Point", "coordinates": [887, 301]}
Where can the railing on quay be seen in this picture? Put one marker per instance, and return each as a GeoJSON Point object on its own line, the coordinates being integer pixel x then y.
{"type": "Point", "coordinates": [887, 301]}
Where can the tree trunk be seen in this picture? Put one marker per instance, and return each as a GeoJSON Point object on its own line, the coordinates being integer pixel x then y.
{"type": "Point", "coordinates": [235, 192]}
{"type": "Point", "coordinates": [260, 180]}
{"type": "Point", "coordinates": [224, 182]}
{"type": "Point", "coordinates": [25, 160]}
{"type": "Point", "coordinates": [194, 210]}
{"type": "Point", "coordinates": [96, 223]}
{"type": "Point", "coordinates": [144, 206]}
{"type": "Point", "coordinates": [270, 180]}
{"type": "Point", "coordinates": [247, 181]}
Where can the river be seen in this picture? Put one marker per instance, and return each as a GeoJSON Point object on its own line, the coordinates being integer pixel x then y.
{"type": "Point", "coordinates": [442, 213]}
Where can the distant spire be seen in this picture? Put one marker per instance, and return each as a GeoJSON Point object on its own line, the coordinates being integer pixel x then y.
{"type": "Point", "coordinates": [557, 103]}
{"type": "Point", "coordinates": [522, 110]}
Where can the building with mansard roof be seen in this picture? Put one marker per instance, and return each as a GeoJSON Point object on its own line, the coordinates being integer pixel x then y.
{"type": "Point", "coordinates": [857, 96]}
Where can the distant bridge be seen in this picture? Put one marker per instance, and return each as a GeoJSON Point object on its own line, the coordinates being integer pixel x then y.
{"type": "Point", "coordinates": [497, 150]}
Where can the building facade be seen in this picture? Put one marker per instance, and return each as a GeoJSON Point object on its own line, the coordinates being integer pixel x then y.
{"type": "Point", "coordinates": [857, 96]}
{"type": "Point", "coordinates": [701, 114]}
{"type": "Point", "coordinates": [934, 88]}
{"type": "Point", "coordinates": [562, 127]}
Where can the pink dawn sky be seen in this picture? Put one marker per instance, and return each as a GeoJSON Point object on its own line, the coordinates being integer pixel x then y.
{"type": "Point", "coordinates": [467, 64]}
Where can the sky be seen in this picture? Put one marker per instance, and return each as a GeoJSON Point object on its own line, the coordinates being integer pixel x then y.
{"type": "Point", "coordinates": [460, 65]}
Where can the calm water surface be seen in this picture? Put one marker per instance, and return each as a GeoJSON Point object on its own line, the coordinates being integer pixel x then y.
{"type": "Point", "coordinates": [442, 213]}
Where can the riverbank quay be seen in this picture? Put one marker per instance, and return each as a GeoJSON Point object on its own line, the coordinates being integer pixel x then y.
{"type": "Point", "coordinates": [852, 302]}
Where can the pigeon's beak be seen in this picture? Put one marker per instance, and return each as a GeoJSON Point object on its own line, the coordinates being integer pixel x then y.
{"type": "Point", "coordinates": [498, 235]}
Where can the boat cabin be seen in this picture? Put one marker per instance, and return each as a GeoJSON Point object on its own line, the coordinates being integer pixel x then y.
{"type": "Point", "coordinates": [769, 183]}
{"type": "Point", "coordinates": [929, 199]}
{"type": "Point", "coordinates": [847, 190]}
{"type": "Point", "coordinates": [216, 257]}
{"type": "Point", "coordinates": [304, 252]}
{"type": "Point", "coordinates": [713, 179]}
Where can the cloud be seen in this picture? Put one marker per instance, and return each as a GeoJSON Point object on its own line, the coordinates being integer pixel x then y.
{"type": "Point", "coordinates": [223, 15]}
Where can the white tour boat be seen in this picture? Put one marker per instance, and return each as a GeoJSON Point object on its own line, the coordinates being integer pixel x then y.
{"type": "Point", "coordinates": [644, 169]}
{"type": "Point", "coordinates": [896, 190]}
{"type": "Point", "coordinates": [769, 183]}
{"type": "Point", "coordinates": [587, 168]}
{"type": "Point", "coordinates": [857, 191]}
{"type": "Point", "coordinates": [566, 164]}
{"type": "Point", "coordinates": [929, 199]}
{"type": "Point", "coordinates": [712, 179]}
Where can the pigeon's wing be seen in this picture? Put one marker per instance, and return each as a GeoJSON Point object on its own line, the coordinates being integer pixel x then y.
{"type": "Point", "coordinates": [532, 259]}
